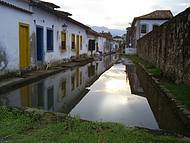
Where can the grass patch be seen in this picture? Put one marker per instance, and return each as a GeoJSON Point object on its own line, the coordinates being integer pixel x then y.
{"type": "Point", "coordinates": [156, 72]}
{"type": "Point", "coordinates": [16, 127]}
{"type": "Point", "coordinates": [181, 92]}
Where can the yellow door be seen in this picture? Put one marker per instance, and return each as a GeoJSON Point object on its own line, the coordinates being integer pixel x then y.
{"type": "Point", "coordinates": [25, 96]}
{"type": "Point", "coordinates": [78, 46]}
{"type": "Point", "coordinates": [24, 45]}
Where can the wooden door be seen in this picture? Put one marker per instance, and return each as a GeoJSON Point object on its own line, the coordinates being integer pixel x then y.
{"type": "Point", "coordinates": [24, 45]}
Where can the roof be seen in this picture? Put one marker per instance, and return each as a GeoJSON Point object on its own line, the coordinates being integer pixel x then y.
{"type": "Point", "coordinates": [52, 5]}
{"type": "Point", "coordinates": [50, 8]}
{"type": "Point", "coordinates": [155, 15]}
{"type": "Point", "coordinates": [64, 13]}
{"type": "Point", "coordinates": [92, 32]}
{"type": "Point", "coordinates": [44, 5]}
{"type": "Point", "coordinates": [117, 37]}
{"type": "Point", "coordinates": [106, 35]}
{"type": "Point", "coordinates": [14, 7]}
{"type": "Point", "coordinates": [158, 14]}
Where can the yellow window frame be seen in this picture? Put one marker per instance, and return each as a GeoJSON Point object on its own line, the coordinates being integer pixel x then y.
{"type": "Point", "coordinates": [73, 42]}
{"type": "Point", "coordinates": [81, 40]}
{"type": "Point", "coordinates": [63, 41]}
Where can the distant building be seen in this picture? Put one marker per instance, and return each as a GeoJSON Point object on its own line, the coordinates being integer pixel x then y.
{"type": "Point", "coordinates": [144, 24]}
{"type": "Point", "coordinates": [128, 38]}
{"type": "Point", "coordinates": [118, 38]}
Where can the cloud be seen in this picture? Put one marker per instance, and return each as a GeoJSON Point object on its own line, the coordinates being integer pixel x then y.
{"type": "Point", "coordinates": [116, 13]}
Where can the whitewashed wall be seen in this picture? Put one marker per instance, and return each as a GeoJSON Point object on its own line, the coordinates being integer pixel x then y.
{"type": "Point", "coordinates": [48, 21]}
{"type": "Point", "coordinates": [150, 24]}
{"type": "Point", "coordinates": [101, 44]}
{"type": "Point", "coordinates": [9, 35]}
{"type": "Point", "coordinates": [20, 3]}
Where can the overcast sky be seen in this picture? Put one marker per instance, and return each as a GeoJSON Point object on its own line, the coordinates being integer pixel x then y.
{"type": "Point", "coordinates": [116, 13]}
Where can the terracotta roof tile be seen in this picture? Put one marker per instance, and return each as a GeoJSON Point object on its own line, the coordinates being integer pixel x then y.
{"type": "Point", "coordinates": [158, 14]}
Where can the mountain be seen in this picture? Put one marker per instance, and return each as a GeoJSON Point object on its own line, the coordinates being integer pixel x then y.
{"type": "Point", "coordinates": [114, 32]}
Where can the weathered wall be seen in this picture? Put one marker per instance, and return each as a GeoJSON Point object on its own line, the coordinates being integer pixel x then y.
{"type": "Point", "coordinates": [165, 108]}
{"type": "Point", "coordinates": [168, 47]}
{"type": "Point", "coordinates": [9, 37]}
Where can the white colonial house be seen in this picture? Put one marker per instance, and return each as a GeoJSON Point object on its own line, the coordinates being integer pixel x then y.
{"type": "Point", "coordinates": [35, 32]}
{"type": "Point", "coordinates": [144, 24]}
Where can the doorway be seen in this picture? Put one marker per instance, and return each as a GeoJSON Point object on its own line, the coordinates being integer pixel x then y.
{"type": "Point", "coordinates": [24, 45]}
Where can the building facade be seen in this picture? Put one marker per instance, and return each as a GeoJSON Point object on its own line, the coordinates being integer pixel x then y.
{"type": "Point", "coordinates": [144, 24]}
{"type": "Point", "coordinates": [35, 33]}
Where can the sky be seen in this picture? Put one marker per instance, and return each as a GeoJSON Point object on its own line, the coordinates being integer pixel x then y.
{"type": "Point", "coordinates": [116, 14]}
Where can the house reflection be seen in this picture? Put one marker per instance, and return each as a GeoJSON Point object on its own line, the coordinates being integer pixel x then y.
{"type": "Point", "coordinates": [60, 92]}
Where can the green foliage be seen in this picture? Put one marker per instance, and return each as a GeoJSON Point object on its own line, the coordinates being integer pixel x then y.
{"type": "Point", "coordinates": [156, 72]}
{"type": "Point", "coordinates": [21, 127]}
{"type": "Point", "coordinates": [180, 91]}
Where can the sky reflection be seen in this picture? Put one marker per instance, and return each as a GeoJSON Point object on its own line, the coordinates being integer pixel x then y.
{"type": "Point", "coordinates": [110, 99]}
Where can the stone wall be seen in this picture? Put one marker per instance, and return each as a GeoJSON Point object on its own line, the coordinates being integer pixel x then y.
{"type": "Point", "coordinates": [170, 114]}
{"type": "Point", "coordinates": [168, 47]}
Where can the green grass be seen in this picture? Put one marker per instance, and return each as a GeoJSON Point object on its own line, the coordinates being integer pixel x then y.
{"type": "Point", "coordinates": [180, 91]}
{"type": "Point", "coordinates": [156, 72]}
{"type": "Point", "coordinates": [17, 127]}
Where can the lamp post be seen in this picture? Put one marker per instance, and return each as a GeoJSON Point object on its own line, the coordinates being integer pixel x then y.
{"type": "Point", "coordinates": [64, 27]}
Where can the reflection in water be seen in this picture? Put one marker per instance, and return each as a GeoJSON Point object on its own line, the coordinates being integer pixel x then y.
{"type": "Point", "coordinates": [50, 98]}
{"type": "Point", "coordinates": [110, 99]}
{"type": "Point", "coordinates": [60, 92]}
{"type": "Point", "coordinates": [134, 81]}
{"type": "Point", "coordinates": [165, 114]}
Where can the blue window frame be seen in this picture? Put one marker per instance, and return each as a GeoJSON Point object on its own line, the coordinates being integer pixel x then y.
{"type": "Point", "coordinates": [49, 39]}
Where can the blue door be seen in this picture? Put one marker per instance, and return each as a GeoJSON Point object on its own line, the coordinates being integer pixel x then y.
{"type": "Point", "coordinates": [40, 44]}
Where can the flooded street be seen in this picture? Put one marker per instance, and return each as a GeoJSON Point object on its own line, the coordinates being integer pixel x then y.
{"type": "Point", "coordinates": [97, 92]}
{"type": "Point", "coordinates": [110, 99]}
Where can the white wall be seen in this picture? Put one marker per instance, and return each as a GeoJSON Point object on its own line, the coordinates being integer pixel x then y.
{"type": "Point", "coordinates": [47, 20]}
{"type": "Point", "coordinates": [130, 51]}
{"type": "Point", "coordinates": [20, 3]}
{"type": "Point", "coordinates": [9, 35]}
{"type": "Point", "coordinates": [101, 44]}
{"type": "Point", "coordinates": [150, 24]}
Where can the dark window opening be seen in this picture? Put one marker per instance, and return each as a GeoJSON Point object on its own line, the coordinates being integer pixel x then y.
{"type": "Point", "coordinates": [143, 28]}
{"type": "Point", "coordinates": [49, 40]}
